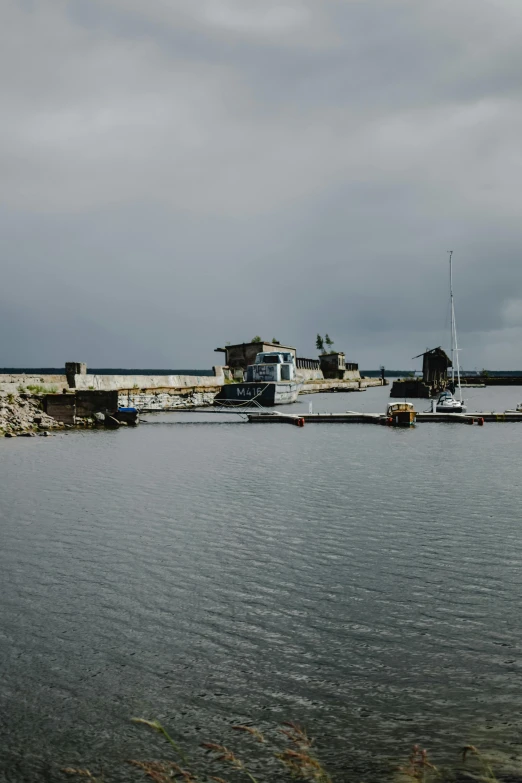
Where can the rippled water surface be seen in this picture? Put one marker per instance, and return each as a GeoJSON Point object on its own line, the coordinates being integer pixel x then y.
{"type": "Point", "coordinates": [363, 580]}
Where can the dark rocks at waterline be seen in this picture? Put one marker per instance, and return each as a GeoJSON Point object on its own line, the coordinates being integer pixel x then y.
{"type": "Point", "coordinates": [22, 414]}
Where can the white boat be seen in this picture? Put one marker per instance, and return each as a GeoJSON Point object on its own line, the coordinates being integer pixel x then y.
{"type": "Point", "coordinates": [447, 401]}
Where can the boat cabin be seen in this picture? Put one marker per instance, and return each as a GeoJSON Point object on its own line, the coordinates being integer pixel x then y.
{"type": "Point", "coordinates": [398, 407]}
{"type": "Point", "coordinates": [272, 366]}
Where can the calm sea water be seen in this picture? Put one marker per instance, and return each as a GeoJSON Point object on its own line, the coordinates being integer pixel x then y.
{"type": "Point", "coordinates": [364, 581]}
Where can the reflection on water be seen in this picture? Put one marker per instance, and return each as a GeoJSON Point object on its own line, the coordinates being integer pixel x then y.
{"type": "Point", "coordinates": [362, 580]}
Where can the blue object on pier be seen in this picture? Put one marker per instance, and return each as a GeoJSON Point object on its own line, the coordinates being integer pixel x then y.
{"type": "Point", "coordinates": [127, 410]}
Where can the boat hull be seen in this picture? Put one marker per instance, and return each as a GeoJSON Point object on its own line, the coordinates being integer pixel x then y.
{"type": "Point", "coordinates": [403, 419]}
{"type": "Point", "coordinates": [265, 394]}
{"type": "Point", "coordinates": [450, 409]}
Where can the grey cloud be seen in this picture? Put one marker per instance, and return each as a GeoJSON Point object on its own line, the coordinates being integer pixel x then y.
{"type": "Point", "coordinates": [178, 174]}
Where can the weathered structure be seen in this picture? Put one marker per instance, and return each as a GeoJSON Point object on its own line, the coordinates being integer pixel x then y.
{"type": "Point", "coordinates": [168, 399]}
{"type": "Point", "coordinates": [329, 366]}
{"type": "Point", "coordinates": [239, 356]}
{"type": "Point", "coordinates": [68, 408]}
{"type": "Point", "coordinates": [410, 387]}
{"type": "Point", "coordinates": [84, 394]}
{"type": "Point", "coordinates": [145, 382]}
{"type": "Point", "coordinates": [333, 365]}
{"type": "Point", "coordinates": [435, 365]}
{"type": "Point", "coordinates": [156, 392]}
{"type": "Point", "coordinates": [72, 369]}
{"type": "Point", "coordinates": [307, 364]}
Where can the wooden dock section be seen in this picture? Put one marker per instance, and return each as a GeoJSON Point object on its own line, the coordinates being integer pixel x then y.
{"type": "Point", "coordinates": [353, 417]}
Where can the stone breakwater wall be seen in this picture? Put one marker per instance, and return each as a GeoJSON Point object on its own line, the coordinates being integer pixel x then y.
{"type": "Point", "coordinates": [167, 399]}
{"type": "Point", "coordinates": [14, 383]}
{"type": "Point", "coordinates": [156, 392]}
{"type": "Point", "coordinates": [92, 391]}
{"type": "Point", "coordinates": [147, 382]}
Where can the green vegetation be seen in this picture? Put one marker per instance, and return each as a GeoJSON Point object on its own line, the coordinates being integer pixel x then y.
{"type": "Point", "coordinates": [290, 755]}
{"type": "Point", "coordinates": [276, 342]}
{"type": "Point", "coordinates": [320, 344]}
{"type": "Point", "coordinates": [256, 339]}
{"type": "Point", "coordinates": [36, 388]}
{"type": "Point", "coordinates": [39, 389]}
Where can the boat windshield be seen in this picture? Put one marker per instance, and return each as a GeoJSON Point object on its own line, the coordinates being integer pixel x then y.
{"type": "Point", "coordinates": [269, 358]}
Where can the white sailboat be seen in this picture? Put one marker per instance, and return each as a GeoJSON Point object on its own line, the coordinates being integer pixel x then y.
{"type": "Point", "coordinates": [447, 402]}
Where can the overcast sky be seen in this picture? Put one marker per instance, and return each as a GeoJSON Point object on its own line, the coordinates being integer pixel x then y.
{"type": "Point", "coordinates": [176, 174]}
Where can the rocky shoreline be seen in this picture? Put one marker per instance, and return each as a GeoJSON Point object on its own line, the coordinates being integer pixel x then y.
{"type": "Point", "coordinates": [23, 415]}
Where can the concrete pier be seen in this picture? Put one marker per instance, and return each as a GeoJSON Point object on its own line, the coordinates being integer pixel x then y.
{"type": "Point", "coordinates": [353, 417]}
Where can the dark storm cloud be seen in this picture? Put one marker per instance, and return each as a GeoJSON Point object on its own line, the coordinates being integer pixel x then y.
{"type": "Point", "coordinates": [178, 174]}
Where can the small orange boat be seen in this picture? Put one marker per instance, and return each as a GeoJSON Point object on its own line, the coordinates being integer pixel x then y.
{"type": "Point", "coordinates": [401, 414]}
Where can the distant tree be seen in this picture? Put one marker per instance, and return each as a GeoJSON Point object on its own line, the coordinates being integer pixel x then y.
{"type": "Point", "coordinates": [319, 343]}
{"type": "Point", "coordinates": [328, 342]}
{"type": "Point", "coordinates": [256, 339]}
{"type": "Point", "coordinates": [276, 342]}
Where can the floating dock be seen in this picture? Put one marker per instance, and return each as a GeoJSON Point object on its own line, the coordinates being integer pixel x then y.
{"type": "Point", "coordinates": [353, 417]}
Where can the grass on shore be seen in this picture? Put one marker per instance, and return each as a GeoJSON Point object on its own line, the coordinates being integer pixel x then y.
{"type": "Point", "coordinates": [36, 388]}
{"type": "Point", "coordinates": [297, 761]}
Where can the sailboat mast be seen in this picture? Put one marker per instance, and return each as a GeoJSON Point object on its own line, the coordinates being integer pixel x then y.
{"type": "Point", "coordinates": [452, 322]}
{"type": "Point", "coordinates": [454, 344]}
